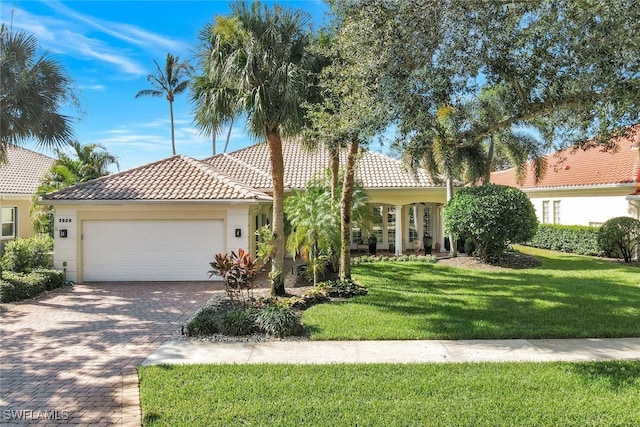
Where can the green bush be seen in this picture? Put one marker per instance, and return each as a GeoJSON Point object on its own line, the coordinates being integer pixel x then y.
{"type": "Point", "coordinates": [24, 255]}
{"type": "Point", "coordinates": [20, 286]}
{"type": "Point", "coordinates": [620, 237]}
{"type": "Point", "coordinates": [239, 321]}
{"type": "Point", "coordinates": [577, 239]}
{"type": "Point", "coordinates": [345, 289]}
{"type": "Point", "coordinates": [368, 259]}
{"type": "Point", "coordinates": [494, 216]}
{"type": "Point", "coordinates": [277, 320]}
{"type": "Point", "coordinates": [205, 322]}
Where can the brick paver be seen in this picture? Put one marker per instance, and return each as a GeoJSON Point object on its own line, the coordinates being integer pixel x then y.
{"type": "Point", "coordinates": [70, 357]}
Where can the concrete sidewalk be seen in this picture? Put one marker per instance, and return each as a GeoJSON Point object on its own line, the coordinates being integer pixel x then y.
{"type": "Point", "coordinates": [436, 351]}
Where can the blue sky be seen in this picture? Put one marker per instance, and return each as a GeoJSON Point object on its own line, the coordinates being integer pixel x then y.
{"type": "Point", "coordinates": [108, 48]}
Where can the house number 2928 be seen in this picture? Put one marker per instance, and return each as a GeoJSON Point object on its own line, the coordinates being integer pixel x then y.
{"type": "Point", "coordinates": [64, 219]}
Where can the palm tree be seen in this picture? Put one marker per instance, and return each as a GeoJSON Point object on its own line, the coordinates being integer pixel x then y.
{"type": "Point", "coordinates": [259, 64]}
{"type": "Point", "coordinates": [89, 162]}
{"type": "Point", "coordinates": [444, 150]}
{"type": "Point", "coordinates": [168, 82]}
{"type": "Point", "coordinates": [32, 90]}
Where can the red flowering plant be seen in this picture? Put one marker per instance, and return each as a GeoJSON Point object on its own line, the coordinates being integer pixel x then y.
{"type": "Point", "coordinates": [239, 272]}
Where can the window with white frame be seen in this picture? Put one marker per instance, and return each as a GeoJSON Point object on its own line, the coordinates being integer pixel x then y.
{"type": "Point", "coordinates": [413, 223]}
{"type": "Point", "coordinates": [391, 224]}
{"type": "Point", "coordinates": [427, 221]}
{"type": "Point", "coordinates": [376, 230]}
{"type": "Point", "coordinates": [545, 212]}
{"type": "Point", "coordinates": [556, 211]}
{"type": "Point", "coordinates": [9, 216]}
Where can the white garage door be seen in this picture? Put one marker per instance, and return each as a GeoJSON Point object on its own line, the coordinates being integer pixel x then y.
{"type": "Point", "coordinates": [149, 250]}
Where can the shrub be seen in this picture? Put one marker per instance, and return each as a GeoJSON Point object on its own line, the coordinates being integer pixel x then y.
{"type": "Point", "coordinates": [277, 320]}
{"type": "Point", "coordinates": [577, 239]}
{"type": "Point", "coordinates": [368, 259]}
{"type": "Point", "coordinates": [239, 272]}
{"type": "Point", "coordinates": [620, 237]}
{"type": "Point", "coordinates": [23, 255]}
{"type": "Point", "coordinates": [205, 322]}
{"type": "Point", "coordinates": [19, 286]}
{"type": "Point", "coordinates": [494, 216]}
{"type": "Point", "coordinates": [345, 289]}
{"type": "Point", "coordinates": [239, 321]}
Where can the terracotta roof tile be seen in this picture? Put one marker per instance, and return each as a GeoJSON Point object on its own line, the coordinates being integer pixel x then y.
{"type": "Point", "coordinates": [576, 168]}
{"type": "Point", "coordinates": [23, 170]}
{"type": "Point", "coordinates": [175, 178]}
{"type": "Point", "coordinates": [252, 165]}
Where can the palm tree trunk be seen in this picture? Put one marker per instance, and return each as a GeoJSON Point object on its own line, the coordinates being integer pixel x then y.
{"type": "Point", "coordinates": [213, 142]}
{"type": "Point", "coordinates": [345, 211]}
{"type": "Point", "coordinates": [226, 144]}
{"type": "Point", "coordinates": [173, 140]}
{"type": "Point", "coordinates": [453, 251]}
{"type": "Point", "coordinates": [277, 175]}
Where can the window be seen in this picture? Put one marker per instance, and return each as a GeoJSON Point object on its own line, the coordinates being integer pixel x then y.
{"type": "Point", "coordinates": [556, 211]}
{"type": "Point", "coordinates": [376, 230]}
{"type": "Point", "coordinates": [545, 212]}
{"type": "Point", "coordinates": [9, 223]}
{"type": "Point", "coordinates": [413, 223]}
{"type": "Point", "coordinates": [391, 225]}
{"type": "Point", "coordinates": [356, 235]}
{"type": "Point", "coordinates": [426, 221]}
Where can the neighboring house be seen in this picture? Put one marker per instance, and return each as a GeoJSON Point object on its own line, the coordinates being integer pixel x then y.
{"type": "Point", "coordinates": [584, 187]}
{"type": "Point", "coordinates": [19, 180]}
{"type": "Point", "coordinates": [166, 220]}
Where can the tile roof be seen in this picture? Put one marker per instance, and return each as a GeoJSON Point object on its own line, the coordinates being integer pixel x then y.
{"type": "Point", "coordinates": [252, 166]}
{"type": "Point", "coordinates": [578, 168]}
{"type": "Point", "coordinates": [174, 178]}
{"type": "Point", "coordinates": [23, 170]}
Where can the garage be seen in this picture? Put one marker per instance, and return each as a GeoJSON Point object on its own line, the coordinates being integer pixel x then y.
{"type": "Point", "coordinates": [150, 250]}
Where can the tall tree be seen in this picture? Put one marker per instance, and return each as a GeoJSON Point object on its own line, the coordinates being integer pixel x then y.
{"type": "Point", "coordinates": [349, 112]}
{"type": "Point", "coordinates": [260, 65]}
{"type": "Point", "coordinates": [33, 88]}
{"type": "Point", "coordinates": [568, 66]}
{"type": "Point", "coordinates": [169, 81]}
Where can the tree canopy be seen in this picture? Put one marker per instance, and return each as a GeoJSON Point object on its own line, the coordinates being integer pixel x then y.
{"type": "Point", "coordinates": [33, 89]}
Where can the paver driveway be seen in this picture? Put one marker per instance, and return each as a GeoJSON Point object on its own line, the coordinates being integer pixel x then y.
{"type": "Point", "coordinates": [70, 357]}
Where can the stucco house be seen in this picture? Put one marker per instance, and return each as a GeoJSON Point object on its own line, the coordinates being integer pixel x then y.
{"type": "Point", "coordinates": [19, 179]}
{"type": "Point", "coordinates": [165, 220]}
{"type": "Point", "coordinates": [584, 187]}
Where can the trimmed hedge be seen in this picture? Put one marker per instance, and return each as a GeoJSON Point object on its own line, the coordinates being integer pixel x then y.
{"type": "Point", "coordinates": [577, 239]}
{"type": "Point", "coordinates": [19, 286]}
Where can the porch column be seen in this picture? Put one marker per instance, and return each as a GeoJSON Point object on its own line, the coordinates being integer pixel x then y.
{"type": "Point", "coordinates": [399, 220]}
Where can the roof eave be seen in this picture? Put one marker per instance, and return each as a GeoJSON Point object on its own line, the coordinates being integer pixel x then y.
{"type": "Point", "coordinates": [123, 202]}
{"type": "Point", "coordinates": [576, 187]}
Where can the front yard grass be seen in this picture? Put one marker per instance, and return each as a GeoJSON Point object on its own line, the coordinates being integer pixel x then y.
{"type": "Point", "coordinates": [482, 394]}
{"type": "Point", "coordinates": [569, 296]}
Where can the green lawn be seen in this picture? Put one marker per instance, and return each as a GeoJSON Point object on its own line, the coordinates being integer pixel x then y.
{"type": "Point", "coordinates": [569, 296]}
{"type": "Point", "coordinates": [511, 394]}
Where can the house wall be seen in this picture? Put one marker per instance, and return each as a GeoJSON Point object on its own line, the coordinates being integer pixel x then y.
{"type": "Point", "coordinates": [585, 206]}
{"type": "Point", "coordinates": [68, 250]}
{"type": "Point", "coordinates": [23, 203]}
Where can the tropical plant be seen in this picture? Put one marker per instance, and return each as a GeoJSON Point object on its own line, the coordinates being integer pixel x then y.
{"type": "Point", "coordinates": [620, 237]}
{"type": "Point", "coordinates": [236, 322]}
{"type": "Point", "coordinates": [277, 320]}
{"type": "Point", "coordinates": [493, 216]}
{"type": "Point", "coordinates": [438, 143]}
{"type": "Point", "coordinates": [88, 162]}
{"type": "Point", "coordinates": [261, 66]}
{"type": "Point", "coordinates": [32, 91]}
{"type": "Point", "coordinates": [314, 229]}
{"type": "Point", "coordinates": [239, 272]}
{"type": "Point", "coordinates": [168, 82]}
